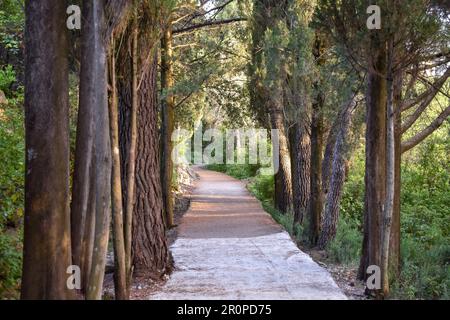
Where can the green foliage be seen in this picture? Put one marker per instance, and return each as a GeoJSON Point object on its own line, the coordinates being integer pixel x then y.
{"type": "Point", "coordinates": [210, 71]}
{"type": "Point", "coordinates": [425, 271]}
{"type": "Point", "coordinates": [286, 220]}
{"type": "Point", "coordinates": [345, 248]}
{"type": "Point", "coordinates": [352, 202]}
{"type": "Point", "coordinates": [10, 265]}
{"type": "Point", "coordinates": [238, 171]}
{"type": "Point", "coordinates": [263, 187]}
{"type": "Point", "coordinates": [425, 223]}
{"type": "Point", "coordinates": [12, 164]}
{"type": "Point", "coordinates": [7, 77]}
{"type": "Point", "coordinates": [11, 24]}
{"type": "Point", "coordinates": [12, 149]}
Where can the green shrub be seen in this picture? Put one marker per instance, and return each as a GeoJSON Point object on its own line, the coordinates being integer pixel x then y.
{"type": "Point", "coordinates": [12, 164]}
{"type": "Point", "coordinates": [217, 167]}
{"type": "Point", "coordinates": [425, 223]}
{"type": "Point", "coordinates": [238, 171]}
{"type": "Point", "coordinates": [345, 248]}
{"type": "Point", "coordinates": [263, 187]}
{"type": "Point", "coordinates": [285, 220]}
{"type": "Point", "coordinates": [425, 271]}
{"type": "Point", "coordinates": [10, 265]}
{"type": "Point", "coordinates": [352, 201]}
{"type": "Point", "coordinates": [7, 77]}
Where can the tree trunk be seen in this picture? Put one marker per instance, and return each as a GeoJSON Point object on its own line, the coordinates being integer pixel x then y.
{"type": "Point", "coordinates": [283, 184]}
{"type": "Point", "coordinates": [83, 157]}
{"type": "Point", "coordinates": [283, 178]}
{"type": "Point", "coordinates": [300, 147]}
{"type": "Point", "coordinates": [316, 195]}
{"type": "Point", "coordinates": [394, 251]}
{"type": "Point", "coordinates": [150, 252]}
{"type": "Point", "coordinates": [390, 172]}
{"type": "Point", "coordinates": [375, 171]}
{"type": "Point", "coordinates": [116, 187]}
{"type": "Point", "coordinates": [334, 193]}
{"type": "Point", "coordinates": [131, 157]}
{"type": "Point", "coordinates": [267, 91]}
{"type": "Point", "coordinates": [149, 248]}
{"type": "Point", "coordinates": [327, 162]}
{"type": "Point", "coordinates": [257, 90]}
{"type": "Point", "coordinates": [168, 104]}
{"type": "Point", "coordinates": [96, 55]}
{"type": "Point", "coordinates": [87, 245]}
{"type": "Point", "coordinates": [317, 134]}
{"type": "Point", "coordinates": [47, 244]}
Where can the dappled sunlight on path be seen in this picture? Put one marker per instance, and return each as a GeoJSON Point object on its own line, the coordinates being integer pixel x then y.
{"type": "Point", "coordinates": [230, 248]}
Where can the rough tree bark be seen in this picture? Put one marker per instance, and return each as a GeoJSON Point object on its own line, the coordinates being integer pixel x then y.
{"type": "Point", "coordinates": [338, 171]}
{"type": "Point", "coordinates": [283, 184]}
{"type": "Point", "coordinates": [316, 195]}
{"type": "Point", "coordinates": [300, 147]}
{"type": "Point", "coordinates": [375, 171]}
{"type": "Point", "coordinates": [150, 252]}
{"type": "Point", "coordinates": [317, 134]}
{"type": "Point", "coordinates": [149, 248]}
{"type": "Point", "coordinates": [168, 104]}
{"type": "Point", "coordinates": [275, 79]}
{"type": "Point", "coordinates": [327, 161]}
{"type": "Point", "coordinates": [266, 94]}
{"type": "Point", "coordinates": [47, 244]}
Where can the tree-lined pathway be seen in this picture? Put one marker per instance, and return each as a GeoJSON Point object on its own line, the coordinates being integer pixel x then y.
{"type": "Point", "coordinates": [228, 247]}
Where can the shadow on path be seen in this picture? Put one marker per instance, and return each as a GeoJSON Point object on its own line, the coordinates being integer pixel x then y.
{"type": "Point", "coordinates": [228, 247]}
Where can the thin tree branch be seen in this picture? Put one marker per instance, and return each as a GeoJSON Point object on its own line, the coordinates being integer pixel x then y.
{"type": "Point", "coordinates": [207, 24]}
{"type": "Point", "coordinates": [418, 112]}
{"type": "Point", "coordinates": [418, 138]}
{"type": "Point", "coordinates": [218, 9]}
{"type": "Point", "coordinates": [433, 89]}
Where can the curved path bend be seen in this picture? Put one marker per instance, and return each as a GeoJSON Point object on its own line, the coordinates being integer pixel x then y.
{"type": "Point", "coordinates": [228, 247]}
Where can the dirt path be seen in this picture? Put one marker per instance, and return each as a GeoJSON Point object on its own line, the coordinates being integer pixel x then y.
{"type": "Point", "coordinates": [229, 248]}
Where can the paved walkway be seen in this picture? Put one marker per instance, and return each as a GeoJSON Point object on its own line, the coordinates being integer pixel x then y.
{"type": "Point", "coordinates": [229, 248]}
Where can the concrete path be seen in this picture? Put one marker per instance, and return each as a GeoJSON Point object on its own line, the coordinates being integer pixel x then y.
{"type": "Point", "coordinates": [229, 248]}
